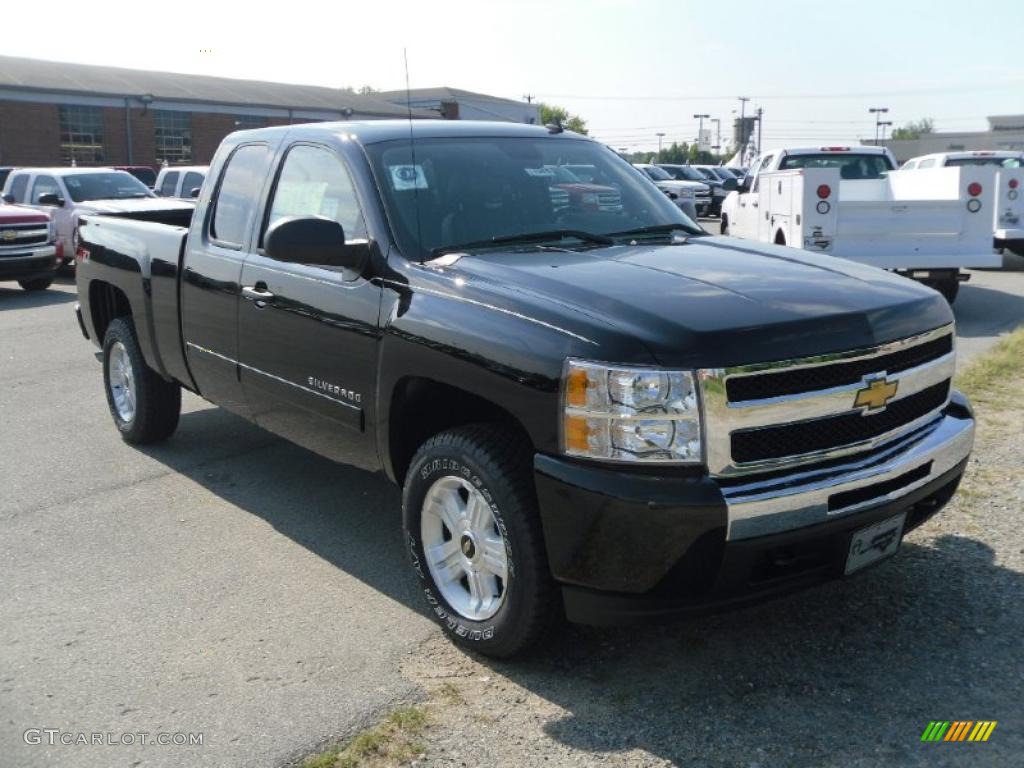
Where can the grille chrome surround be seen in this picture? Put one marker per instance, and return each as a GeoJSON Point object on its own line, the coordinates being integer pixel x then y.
{"type": "Point", "coordinates": [723, 418]}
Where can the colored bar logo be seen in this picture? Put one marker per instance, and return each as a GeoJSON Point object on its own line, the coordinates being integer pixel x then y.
{"type": "Point", "coordinates": [958, 730]}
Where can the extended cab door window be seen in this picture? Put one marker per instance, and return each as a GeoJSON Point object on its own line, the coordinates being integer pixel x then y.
{"type": "Point", "coordinates": [18, 186]}
{"type": "Point", "coordinates": [307, 333]}
{"type": "Point", "coordinates": [167, 185]}
{"type": "Point", "coordinates": [238, 195]}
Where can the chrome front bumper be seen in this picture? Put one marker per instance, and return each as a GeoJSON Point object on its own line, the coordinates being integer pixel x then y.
{"type": "Point", "coordinates": [798, 499]}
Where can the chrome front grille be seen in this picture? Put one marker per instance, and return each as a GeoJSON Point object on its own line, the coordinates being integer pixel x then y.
{"type": "Point", "coordinates": [775, 416]}
{"type": "Point", "coordinates": [20, 235]}
{"type": "Point", "coordinates": [610, 201]}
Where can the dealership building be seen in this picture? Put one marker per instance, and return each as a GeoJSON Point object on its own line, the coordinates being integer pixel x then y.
{"type": "Point", "coordinates": [54, 113]}
{"type": "Point", "coordinates": [1004, 132]}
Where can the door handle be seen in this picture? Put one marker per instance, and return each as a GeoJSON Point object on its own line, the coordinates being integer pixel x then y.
{"type": "Point", "coordinates": [257, 293]}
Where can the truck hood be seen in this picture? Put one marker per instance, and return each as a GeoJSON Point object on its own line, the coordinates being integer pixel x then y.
{"type": "Point", "coordinates": [134, 205]}
{"type": "Point", "coordinates": [19, 214]}
{"type": "Point", "coordinates": [712, 302]}
{"type": "Point", "coordinates": [677, 184]}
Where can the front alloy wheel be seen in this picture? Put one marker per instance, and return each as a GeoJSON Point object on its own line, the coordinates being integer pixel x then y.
{"type": "Point", "coordinates": [471, 524]}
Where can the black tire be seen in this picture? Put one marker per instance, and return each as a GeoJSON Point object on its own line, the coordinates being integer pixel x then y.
{"type": "Point", "coordinates": [500, 466]}
{"type": "Point", "coordinates": [948, 288]}
{"type": "Point", "coordinates": [157, 401]}
{"type": "Point", "coordinates": [39, 284]}
{"type": "Point", "coordinates": [780, 239]}
{"type": "Point", "coordinates": [724, 228]}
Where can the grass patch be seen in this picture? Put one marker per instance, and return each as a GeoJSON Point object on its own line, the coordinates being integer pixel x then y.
{"type": "Point", "coordinates": [997, 373]}
{"type": "Point", "coordinates": [390, 743]}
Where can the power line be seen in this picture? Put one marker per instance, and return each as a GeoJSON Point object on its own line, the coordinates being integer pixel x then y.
{"type": "Point", "coordinates": [857, 95]}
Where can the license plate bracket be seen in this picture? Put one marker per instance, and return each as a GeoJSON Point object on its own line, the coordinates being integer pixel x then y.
{"type": "Point", "coordinates": [874, 543]}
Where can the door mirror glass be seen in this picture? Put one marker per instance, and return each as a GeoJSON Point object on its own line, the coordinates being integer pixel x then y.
{"type": "Point", "coordinates": [730, 185]}
{"type": "Point", "coordinates": [313, 240]}
{"type": "Point", "coordinates": [744, 184]}
{"type": "Point", "coordinates": [9, 198]}
{"type": "Point", "coordinates": [50, 198]}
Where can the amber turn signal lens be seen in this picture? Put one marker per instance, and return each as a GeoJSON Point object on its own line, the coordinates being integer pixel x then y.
{"type": "Point", "coordinates": [576, 434]}
{"type": "Point", "coordinates": [576, 387]}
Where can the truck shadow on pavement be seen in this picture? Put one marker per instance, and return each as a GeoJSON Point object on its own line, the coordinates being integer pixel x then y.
{"type": "Point", "coordinates": [347, 516]}
{"type": "Point", "coordinates": [849, 673]}
{"type": "Point", "coordinates": [846, 674]}
{"type": "Point", "coordinates": [16, 298]}
{"type": "Point", "coordinates": [980, 310]}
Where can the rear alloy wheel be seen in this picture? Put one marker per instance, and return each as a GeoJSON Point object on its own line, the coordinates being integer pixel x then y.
{"type": "Point", "coordinates": [469, 513]}
{"type": "Point", "coordinates": [145, 406]}
{"type": "Point", "coordinates": [39, 284]}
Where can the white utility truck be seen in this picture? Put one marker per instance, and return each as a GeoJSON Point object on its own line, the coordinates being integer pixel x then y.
{"type": "Point", "coordinates": [852, 203]}
{"type": "Point", "coordinates": [1007, 169]}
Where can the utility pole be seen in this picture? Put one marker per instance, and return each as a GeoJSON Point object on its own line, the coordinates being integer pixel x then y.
{"type": "Point", "coordinates": [660, 136]}
{"type": "Point", "coordinates": [743, 127]}
{"type": "Point", "coordinates": [877, 112]}
{"type": "Point", "coordinates": [529, 97]}
{"type": "Point", "coordinates": [760, 128]}
{"type": "Point", "coordinates": [718, 133]}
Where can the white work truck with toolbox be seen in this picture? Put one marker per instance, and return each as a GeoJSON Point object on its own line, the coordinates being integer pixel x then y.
{"type": "Point", "coordinates": [852, 203]}
{"type": "Point", "coordinates": [1007, 178]}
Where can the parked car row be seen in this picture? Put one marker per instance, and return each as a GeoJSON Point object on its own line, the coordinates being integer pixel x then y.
{"type": "Point", "coordinates": [64, 194]}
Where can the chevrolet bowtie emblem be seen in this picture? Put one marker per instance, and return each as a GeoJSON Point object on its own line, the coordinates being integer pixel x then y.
{"type": "Point", "coordinates": [876, 394]}
{"type": "Point", "coordinates": [10, 234]}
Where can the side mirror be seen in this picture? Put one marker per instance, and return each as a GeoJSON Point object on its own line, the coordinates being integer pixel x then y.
{"type": "Point", "coordinates": [313, 240]}
{"type": "Point", "coordinates": [50, 198]}
{"type": "Point", "coordinates": [730, 185]}
{"type": "Point", "coordinates": [194, 192]}
{"type": "Point", "coordinates": [744, 184]}
{"type": "Point", "coordinates": [9, 198]}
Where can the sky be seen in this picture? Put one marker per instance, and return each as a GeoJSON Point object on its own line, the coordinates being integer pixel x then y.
{"type": "Point", "coordinates": [630, 69]}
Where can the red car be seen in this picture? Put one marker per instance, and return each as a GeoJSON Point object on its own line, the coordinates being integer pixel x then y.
{"type": "Point", "coordinates": [29, 251]}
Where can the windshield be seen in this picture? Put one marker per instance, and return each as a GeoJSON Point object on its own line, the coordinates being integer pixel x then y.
{"type": "Point", "coordinates": [109, 185]}
{"type": "Point", "coordinates": [851, 166]}
{"type": "Point", "coordinates": [684, 173]}
{"type": "Point", "coordinates": [472, 190]}
{"type": "Point", "coordinates": [1002, 162]}
{"type": "Point", "coordinates": [656, 173]}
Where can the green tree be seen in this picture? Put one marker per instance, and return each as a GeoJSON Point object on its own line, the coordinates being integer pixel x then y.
{"type": "Point", "coordinates": [550, 113]}
{"type": "Point", "coordinates": [366, 90]}
{"type": "Point", "coordinates": [914, 129]}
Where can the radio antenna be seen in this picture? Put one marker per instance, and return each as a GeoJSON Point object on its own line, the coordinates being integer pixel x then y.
{"type": "Point", "coordinates": [412, 151]}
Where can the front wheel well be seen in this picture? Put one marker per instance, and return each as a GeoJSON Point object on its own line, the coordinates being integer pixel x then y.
{"type": "Point", "coordinates": [106, 302]}
{"type": "Point", "coordinates": [421, 408]}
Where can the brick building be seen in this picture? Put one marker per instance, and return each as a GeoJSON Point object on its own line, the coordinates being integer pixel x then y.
{"type": "Point", "coordinates": [52, 113]}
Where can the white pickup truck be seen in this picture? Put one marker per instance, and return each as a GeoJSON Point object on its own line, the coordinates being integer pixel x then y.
{"type": "Point", "coordinates": [1007, 169]}
{"type": "Point", "coordinates": [851, 202]}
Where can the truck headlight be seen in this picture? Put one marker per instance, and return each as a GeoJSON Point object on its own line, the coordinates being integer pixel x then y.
{"type": "Point", "coordinates": [630, 414]}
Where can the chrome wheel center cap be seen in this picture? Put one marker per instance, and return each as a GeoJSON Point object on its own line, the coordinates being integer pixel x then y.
{"type": "Point", "coordinates": [468, 546]}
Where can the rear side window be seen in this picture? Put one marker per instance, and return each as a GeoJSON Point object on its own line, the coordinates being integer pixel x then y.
{"type": "Point", "coordinates": [238, 194]}
{"type": "Point", "coordinates": [167, 185]}
{"type": "Point", "coordinates": [929, 163]}
{"type": "Point", "coordinates": [18, 186]}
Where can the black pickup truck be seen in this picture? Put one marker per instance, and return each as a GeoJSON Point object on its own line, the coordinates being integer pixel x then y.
{"type": "Point", "coordinates": [595, 412]}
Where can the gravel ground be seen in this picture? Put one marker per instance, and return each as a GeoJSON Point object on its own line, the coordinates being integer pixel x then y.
{"type": "Point", "coordinates": [848, 674]}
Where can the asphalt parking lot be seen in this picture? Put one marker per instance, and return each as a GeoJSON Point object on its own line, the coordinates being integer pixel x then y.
{"type": "Point", "coordinates": [231, 584]}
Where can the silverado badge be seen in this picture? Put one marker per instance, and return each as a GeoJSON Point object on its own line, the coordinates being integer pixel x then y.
{"type": "Point", "coordinates": [876, 394]}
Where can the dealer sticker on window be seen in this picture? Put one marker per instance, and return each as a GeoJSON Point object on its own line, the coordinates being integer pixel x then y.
{"type": "Point", "coordinates": [405, 177]}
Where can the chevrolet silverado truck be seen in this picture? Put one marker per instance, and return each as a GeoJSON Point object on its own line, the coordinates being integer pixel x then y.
{"type": "Point", "coordinates": [607, 415]}
{"type": "Point", "coordinates": [29, 250]}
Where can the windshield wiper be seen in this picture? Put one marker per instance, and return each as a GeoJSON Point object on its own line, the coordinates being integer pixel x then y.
{"type": "Point", "coordinates": [653, 229]}
{"type": "Point", "coordinates": [528, 238]}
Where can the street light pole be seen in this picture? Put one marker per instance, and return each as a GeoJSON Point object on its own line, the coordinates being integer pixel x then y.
{"type": "Point", "coordinates": [718, 132]}
{"type": "Point", "coordinates": [743, 127]}
{"type": "Point", "coordinates": [877, 112]}
{"type": "Point", "coordinates": [700, 129]}
{"type": "Point", "coordinates": [882, 125]}
{"type": "Point", "coordinates": [660, 136]}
